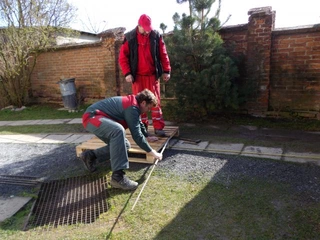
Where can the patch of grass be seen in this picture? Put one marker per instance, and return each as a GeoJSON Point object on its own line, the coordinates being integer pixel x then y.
{"type": "Point", "coordinates": [297, 123]}
{"type": "Point", "coordinates": [52, 128]}
{"type": "Point", "coordinates": [171, 207]}
{"type": "Point", "coordinates": [41, 111]}
{"type": "Point", "coordinates": [51, 111]}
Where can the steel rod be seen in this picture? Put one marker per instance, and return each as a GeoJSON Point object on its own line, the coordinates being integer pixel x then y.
{"type": "Point", "coordinates": [17, 183]}
{"type": "Point", "coordinates": [145, 183]}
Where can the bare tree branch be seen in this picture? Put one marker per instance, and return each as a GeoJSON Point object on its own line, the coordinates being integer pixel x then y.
{"type": "Point", "coordinates": [30, 28]}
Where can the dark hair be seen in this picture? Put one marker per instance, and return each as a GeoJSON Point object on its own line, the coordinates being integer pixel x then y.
{"type": "Point", "coordinates": [148, 96]}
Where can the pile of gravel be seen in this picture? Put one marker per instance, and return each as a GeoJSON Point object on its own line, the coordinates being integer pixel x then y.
{"type": "Point", "coordinates": [223, 169]}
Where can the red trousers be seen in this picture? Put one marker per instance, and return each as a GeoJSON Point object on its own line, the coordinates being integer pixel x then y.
{"type": "Point", "coordinates": [151, 83]}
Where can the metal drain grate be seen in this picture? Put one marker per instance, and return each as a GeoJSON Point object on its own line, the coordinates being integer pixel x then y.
{"type": "Point", "coordinates": [69, 201]}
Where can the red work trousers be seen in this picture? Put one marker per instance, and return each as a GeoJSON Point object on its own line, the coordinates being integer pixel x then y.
{"type": "Point", "coordinates": [151, 83]}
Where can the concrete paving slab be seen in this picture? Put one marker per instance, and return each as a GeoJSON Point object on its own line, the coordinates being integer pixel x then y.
{"type": "Point", "coordinates": [52, 121]}
{"type": "Point", "coordinates": [10, 206]}
{"type": "Point", "coordinates": [187, 146]}
{"type": "Point", "coordinates": [75, 121]}
{"type": "Point", "coordinates": [20, 123]}
{"type": "Point", "coordinates": [215, 127]}
{"type": "Point", "coordinates": [189, 124]}
{"type": "Point", "coordinates": [83, 138]}
{"type": "Point", "coordinates": [44, 122]}
{"type": "Point", "coordinates": [6, 140]}
{"type": "Point", "coordinates": [251, 128]}
{"type": "Point", "coordinates": [59, 121]}
{"type": "Point", "coordinates": [78, 138]}
{"type": "Point", "coordinates": [314, 133]}
{"type": "Point", "coordinates": [265, 152]}
{"type": "Point", "coordinates": [10, 138]}
{"type": "Point", "coordinates": [227, 148]}
{"type": "Point", "coordinates": [33, 122]}
{"type": "Point", "coordinates": [172, 142]}
{"type": "Point", "coordinates": [54, 138]}
{"type": "Point", "coordinates": [73, 138]}
{"type": "Point", "coordinates": [302, 157]}
{"type": "Point", "coordinates": [28, 138]}
{"type": "Point", "coordinates": [167, 123]}
{"type": "Point", "coordinates": [4, 123]}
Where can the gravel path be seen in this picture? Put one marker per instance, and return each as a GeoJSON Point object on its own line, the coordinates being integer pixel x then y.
{"type": "Point", "coordinates": [56, 161]}
{"type": "Point", "coordinates": [304, 178]}
{"type": "Point", "coordinates": [43, 161]}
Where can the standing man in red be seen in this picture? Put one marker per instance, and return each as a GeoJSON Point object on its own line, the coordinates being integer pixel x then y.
{"type": "Point", "coordinates": [144, 59]}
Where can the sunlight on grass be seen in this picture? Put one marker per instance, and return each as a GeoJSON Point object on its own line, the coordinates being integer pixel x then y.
{"type": "Point", "coordinates": [173, 207]}
{"type": "Point", "coordinates": [53, 128]}
{"type": "Point", "coordinates": [44, 111]}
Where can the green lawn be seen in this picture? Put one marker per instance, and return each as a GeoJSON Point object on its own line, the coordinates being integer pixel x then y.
{"type": "Point", "coordinates": [173, 207]}
{"type": "Point", "coordinates": [36, 112]}
{"type": "Point", "coordinates": [51, 111]}
{"type": "Point", "coordinates": [44, 111]}
{"type": "Point", "coordinates": [54, 128]}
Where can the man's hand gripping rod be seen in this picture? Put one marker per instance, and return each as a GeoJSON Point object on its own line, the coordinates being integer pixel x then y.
{"type": "Point", "coordinates": [145, 183]}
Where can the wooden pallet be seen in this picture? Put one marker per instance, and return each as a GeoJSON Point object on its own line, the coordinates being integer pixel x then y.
{"type": "Point", "coordinates": [136, 154]}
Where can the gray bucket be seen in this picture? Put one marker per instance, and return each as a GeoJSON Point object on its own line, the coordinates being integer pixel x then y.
{"type": "Point", "coordinates": [69, 93]}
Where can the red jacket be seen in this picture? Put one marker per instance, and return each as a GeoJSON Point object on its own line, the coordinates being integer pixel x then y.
{"type": "Point", "coordinates": [145, 62]}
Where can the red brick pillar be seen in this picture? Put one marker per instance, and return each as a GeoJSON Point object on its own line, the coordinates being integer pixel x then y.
{"type": "Point", "coordinates": [260, 26]}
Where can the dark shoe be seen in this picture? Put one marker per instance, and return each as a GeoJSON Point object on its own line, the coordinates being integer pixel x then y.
{"type": "Point", "coordinates": [125, 183]}
{"type": "Point", "coordinates": [89, 159]}
{"type": "Point", "coordinates": [159, 133]}
{"type": "Point", "coordinates": [146, 126]}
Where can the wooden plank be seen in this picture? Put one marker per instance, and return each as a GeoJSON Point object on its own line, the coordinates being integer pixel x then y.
{"type": "Point", "coordinates": [136, 154]}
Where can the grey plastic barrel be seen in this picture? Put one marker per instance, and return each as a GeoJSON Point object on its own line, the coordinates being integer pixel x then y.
{"type": "Point", "coordinates": [69, 93]}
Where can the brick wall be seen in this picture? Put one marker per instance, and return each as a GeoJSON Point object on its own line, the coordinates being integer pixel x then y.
{"type": "Point", "coordinates": [94, 67]}
{"type": "Point", "coordinates": [295, 71]}
{"type": "Point", "coordinates": [282, 65]}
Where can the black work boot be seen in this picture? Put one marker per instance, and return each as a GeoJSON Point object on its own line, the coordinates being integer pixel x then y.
{"type": "Point", "coordinates": [160, 133]}
{"type": "Point", "coordinates": [89, 159]}
{"type": "Point", "coordinates": [120, 180]}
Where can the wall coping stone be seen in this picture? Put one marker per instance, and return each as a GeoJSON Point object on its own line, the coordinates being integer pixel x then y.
{"type": "Point", "coordinates": [298, 29]}
{"type": "Point", "coordinates": [260, 10]}
{"type": "Point", "coordinates": [234, 28]}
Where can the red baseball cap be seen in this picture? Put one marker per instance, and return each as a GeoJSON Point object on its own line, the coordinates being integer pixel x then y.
{"type": "Point", "coordinates": [145, 22]}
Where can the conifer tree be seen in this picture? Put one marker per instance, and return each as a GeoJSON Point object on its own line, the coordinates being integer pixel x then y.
{"type": "Point", "coordinates": [202, 73]}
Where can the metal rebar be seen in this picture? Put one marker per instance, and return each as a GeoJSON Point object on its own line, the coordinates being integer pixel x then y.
{"type": "Point", "coordinates": [145, 183]}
